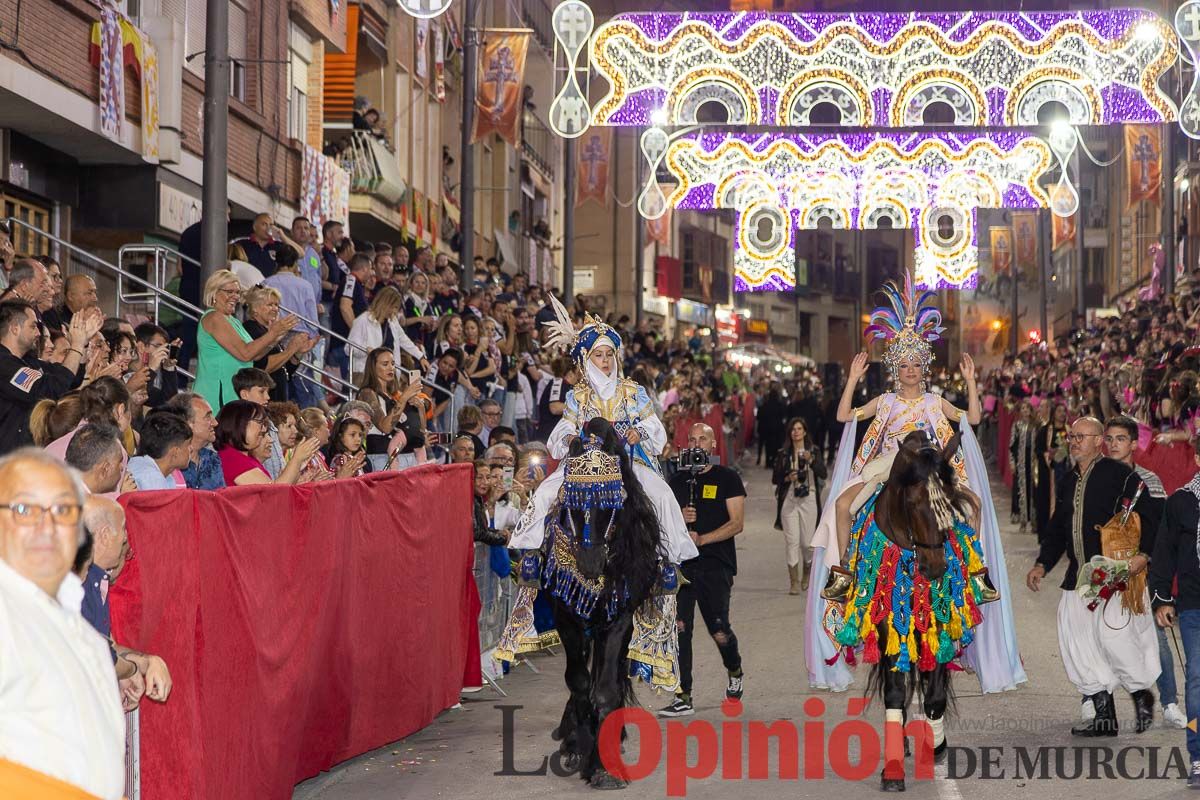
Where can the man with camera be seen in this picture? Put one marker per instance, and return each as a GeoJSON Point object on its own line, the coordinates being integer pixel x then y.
{"type": "Point", "coordinates": [713, 501]}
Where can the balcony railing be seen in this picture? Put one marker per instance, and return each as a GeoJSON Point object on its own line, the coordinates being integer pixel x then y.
{"type": "Point", "coordinates": [536, 14]}
{"type": "Point", "coordinates": [373, 168]}
{"type": "Point", "coordinates": [538, 144]}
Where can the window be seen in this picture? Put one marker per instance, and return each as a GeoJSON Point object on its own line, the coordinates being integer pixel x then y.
{"type": "Point", "coordinates": [26, 242]}
{"type": "Point", "coordinates": [298, 114]}
{"type": "Point", "coordinates": [193, 13]}
{"type": "Point", "coordinates": [300, 58]}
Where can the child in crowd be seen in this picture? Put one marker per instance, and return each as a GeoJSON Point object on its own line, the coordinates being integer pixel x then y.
{"type": "Point", "coordinates": [346, 444]}
{"type": "Point", "coordinates": [313, 424]}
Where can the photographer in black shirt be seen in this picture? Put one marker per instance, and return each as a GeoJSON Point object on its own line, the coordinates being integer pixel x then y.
{"type": "Point", "coordinates": [713, 501]}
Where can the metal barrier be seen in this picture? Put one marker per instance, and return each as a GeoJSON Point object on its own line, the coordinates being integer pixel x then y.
{"type": "Point", "coordinates": [496, 595]}
{"type": "Point", "coordinates": [162, 255]}
{"type": "Point", "coordinates": [133, 757]}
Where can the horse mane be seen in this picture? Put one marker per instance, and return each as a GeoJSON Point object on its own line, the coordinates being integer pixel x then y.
{"type": "Point", "coordinates": [904, 509]}
{"type": "Point", "coordinates": [633, 547]}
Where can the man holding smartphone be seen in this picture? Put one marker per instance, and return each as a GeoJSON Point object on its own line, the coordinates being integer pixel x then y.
{"type": "Point", "coordinates": [713, 500]}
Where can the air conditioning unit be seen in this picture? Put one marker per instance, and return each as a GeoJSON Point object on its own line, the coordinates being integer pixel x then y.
{"type": "Point", "coordinates": [166, 34]}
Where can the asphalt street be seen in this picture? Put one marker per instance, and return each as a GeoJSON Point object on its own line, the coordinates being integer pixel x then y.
{"type": "Point", "coordinates": [1012, 743]}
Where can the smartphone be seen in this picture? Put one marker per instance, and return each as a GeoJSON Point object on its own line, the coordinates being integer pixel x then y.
{"type": "Point", "coordinates": [414, 376]}
{"type": "Point", "coordinates": [508, 478]}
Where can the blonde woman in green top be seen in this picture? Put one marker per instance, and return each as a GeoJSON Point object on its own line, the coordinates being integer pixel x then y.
{"type": "Point", "coordinates": [223, 343]}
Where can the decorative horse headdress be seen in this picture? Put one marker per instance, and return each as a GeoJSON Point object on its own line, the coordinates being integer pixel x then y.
{"type": "Point", "coordinates": [593, 480]}
{"type": "Point", "coordinates": [909, 324]}
{"type": "Point", "coordinates": [579, 344]}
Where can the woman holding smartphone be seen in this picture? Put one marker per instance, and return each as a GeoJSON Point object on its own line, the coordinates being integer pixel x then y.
{"type": "Point", "coordinates": [799, 474]}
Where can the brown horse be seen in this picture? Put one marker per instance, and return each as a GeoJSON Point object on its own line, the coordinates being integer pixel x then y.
{"type": "Point", "coordinates": [915, 510]}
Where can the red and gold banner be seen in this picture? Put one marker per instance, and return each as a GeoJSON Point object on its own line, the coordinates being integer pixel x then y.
{"type": "Point", "coordinates": [1025, 243]}
{"type": "Point", "coordinates": [659, 230]}
{"type": "Point", "coordinates": [1063, 231]}
{"type": "Point", "coordinates": [498, 87]}
{"type": "Point", "coordinates": [1002, 250]}
{"type": "Point", "coordinates": [591, 166]}
{"type": "Point", "coordinates": [669, 280]}
{"type": "Point", "coordinates": [1143, 163]}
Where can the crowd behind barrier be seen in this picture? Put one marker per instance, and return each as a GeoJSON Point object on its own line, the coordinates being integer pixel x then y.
{"type": "Point", "coordinates": [297, 622]}
{"type": "Point", "coordinates": [246, 603]}
{"type": "Point", "coordinates": [1142, 362]}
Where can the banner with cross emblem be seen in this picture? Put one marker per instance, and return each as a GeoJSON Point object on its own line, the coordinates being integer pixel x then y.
{"type": "Point", "coordinates": [1143, 163]}
{"type": "Point", "coordinates": [592, 157]}
{"type": "Point", "coordinates": [498, 86]}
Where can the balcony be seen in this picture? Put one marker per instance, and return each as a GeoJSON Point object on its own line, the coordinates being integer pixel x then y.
{"type": "Point", "coordinates": [537, 15]}
{"type": "Point", "coordinates": [538, 144]}
{"type": "Point", "coordinates": [373, 169]}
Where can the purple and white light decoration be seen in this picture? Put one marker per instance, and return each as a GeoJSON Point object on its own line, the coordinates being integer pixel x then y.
{"type": "Point", "coordinates": [883, 69]}
{"type": "Point", "coordinates": [931, 182]}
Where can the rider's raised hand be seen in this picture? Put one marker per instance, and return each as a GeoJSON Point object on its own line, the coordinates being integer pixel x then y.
{"type": "Point", "coordinates": [858, 367]}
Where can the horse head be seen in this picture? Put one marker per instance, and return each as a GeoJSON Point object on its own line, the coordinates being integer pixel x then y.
{"type": "Point", "coordinates": [607, 513]}
{"type": "Point", "coordinates": [593, 493]}
{"type": "Point", "coordinates": [921, 500]}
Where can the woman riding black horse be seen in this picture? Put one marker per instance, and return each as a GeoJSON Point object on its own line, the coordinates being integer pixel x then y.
{"type": "Point", "coordinates": [913, 589]}
{"type": "Point", "coordinates": [600, 564]}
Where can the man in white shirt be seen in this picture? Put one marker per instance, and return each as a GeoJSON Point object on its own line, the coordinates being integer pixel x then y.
{"type": "Point", "coordinates": [61, 725]}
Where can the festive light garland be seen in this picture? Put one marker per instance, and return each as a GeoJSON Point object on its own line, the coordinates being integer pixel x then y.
{"type": "Point", "coordinates": [780, 182]}
{"type": "Point", "coordinates": [885, 69]}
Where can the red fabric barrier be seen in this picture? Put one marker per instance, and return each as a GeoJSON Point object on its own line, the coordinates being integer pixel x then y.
{"type": "Point", "coordinates": [302, 625]}
{"type": "Point", "coordinates": [1004, 423]}
{"type": "Point", "coordinates": [1174, 464]}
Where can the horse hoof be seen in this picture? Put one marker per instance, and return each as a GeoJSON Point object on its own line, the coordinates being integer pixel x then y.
{"type": "Point", "coordinates": [892, 784]}
{"type": "Point", "coordinates": [556, 734]}
{"type": "Point", "coordinates": [571, 762]}
{"type": "Point", "coordinates": [606, 780]}
{"type": "Point", "coordinates": [939, 752]}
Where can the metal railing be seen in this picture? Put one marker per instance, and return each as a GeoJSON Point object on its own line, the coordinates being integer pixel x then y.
{"type": "Point", "coordinates": [537, 15]}
{"type": "Point", "coordinates": [162, 255]}
{"type": "Point", "coordinates": [373, 168]}
{"type": "Point", "coordinates": [538, 143]}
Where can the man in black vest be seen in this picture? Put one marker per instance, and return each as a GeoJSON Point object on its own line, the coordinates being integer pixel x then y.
{"type": "Point", "coordinates": [1102, 648]}
{"type": "Point", "coordinates": [1175, 587]}
{"type": "Point", "coordinates": [552, 397]}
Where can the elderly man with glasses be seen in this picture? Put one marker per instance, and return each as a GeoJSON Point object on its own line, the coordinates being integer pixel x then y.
{"type": "Point", "coordinates": [1105, 646]}
{"type": "Point", "coordinates": [62, 731]}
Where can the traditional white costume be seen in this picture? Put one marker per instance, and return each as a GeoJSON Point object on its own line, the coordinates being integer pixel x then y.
{"type": "Point", "coordinates": [624, 403]}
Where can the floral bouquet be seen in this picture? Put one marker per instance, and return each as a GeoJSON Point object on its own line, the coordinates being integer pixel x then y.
{"type": "Point", "coordinates": [1100, 579]}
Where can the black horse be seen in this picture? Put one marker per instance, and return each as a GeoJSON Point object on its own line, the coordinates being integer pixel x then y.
{"type": "Point", "coordinates": [915, 510]}
{"type": "Point", "coordinates": [609, 557]}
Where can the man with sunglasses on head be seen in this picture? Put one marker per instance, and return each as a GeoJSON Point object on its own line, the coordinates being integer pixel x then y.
{"type": "Point", "coordinates": [62, 731]}
{"type": "Point", "coordinates": [1104, 647]}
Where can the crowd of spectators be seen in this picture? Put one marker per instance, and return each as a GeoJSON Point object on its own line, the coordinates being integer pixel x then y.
{"type": "Point", "coordinates": [419, 371]}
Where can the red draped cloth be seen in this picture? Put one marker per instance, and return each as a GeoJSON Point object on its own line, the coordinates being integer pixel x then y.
{"type": "Point", "coordinates": [715, 419]}
{"type": "Point", "coordinates": [1004, 419]}
{"type": "Point", "coordinates": [1174, 463]}
{"type": "Point", "coordinates": [302, 625]}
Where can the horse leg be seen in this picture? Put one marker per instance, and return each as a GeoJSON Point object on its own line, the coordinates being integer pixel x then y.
{"type": "Point", "coordinates": [895, 696]}
{"type": "Point", "coordinates": [577, 712]}
{"type": "Point", "coordinates": [610, 690]}
{"type": "Point", "coordinates": [937, 695]}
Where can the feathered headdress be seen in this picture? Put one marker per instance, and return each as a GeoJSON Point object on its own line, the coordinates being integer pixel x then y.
{"type": "Point", "coordinates": [909, 324]}
{"type": "Point", "coordinates": [579, 343]}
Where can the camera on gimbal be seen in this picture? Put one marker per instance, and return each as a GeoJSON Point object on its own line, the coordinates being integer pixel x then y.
{"type": "Point", "coordinates": [694, 459]}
